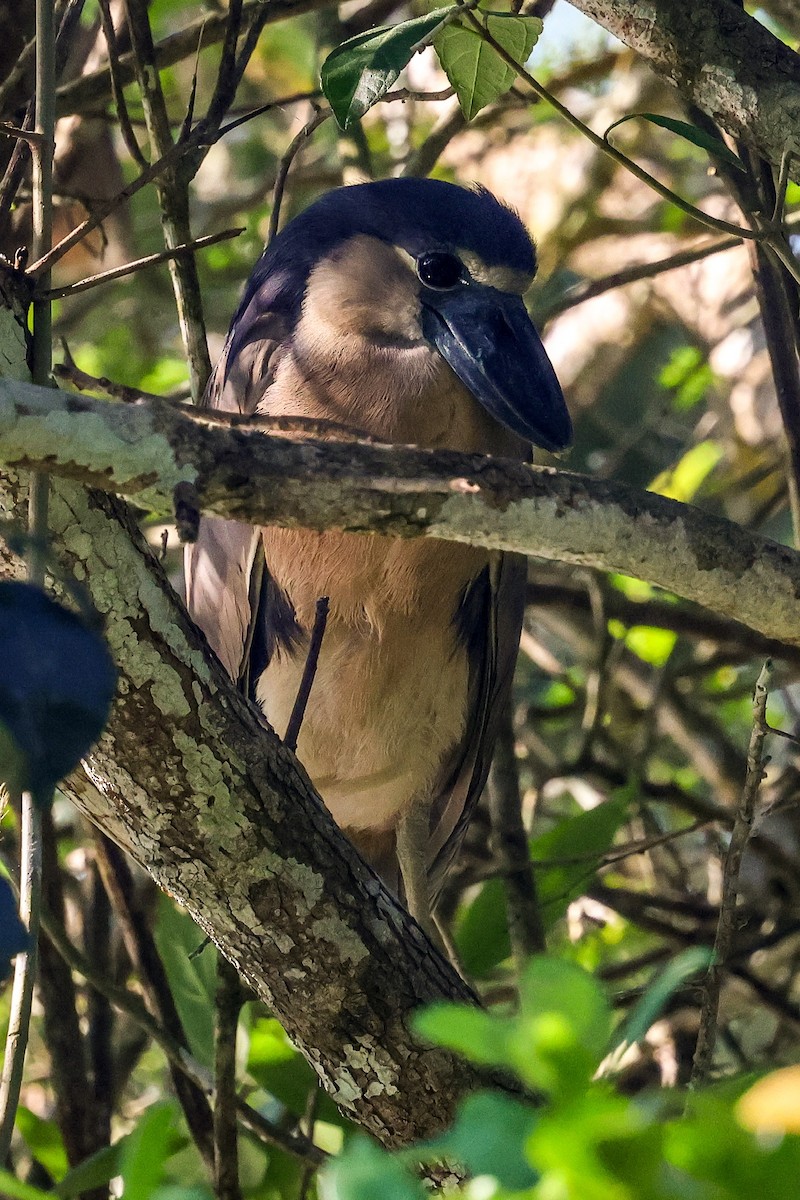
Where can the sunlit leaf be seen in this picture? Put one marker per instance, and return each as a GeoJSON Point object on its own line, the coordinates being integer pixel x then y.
{"type": "Point", "coordinates": [360, 71]}
{"type": "Point", "coordinates": [773, 1104]}
{"type": "Point", "coordinates": [651, 644]}
{"type": "Point", "coordinates": [692, 133]}
{"type": "Point", "coordinates": [363, 1171]}
{"type": "Point", "coordinates": [683, 481]}
{"type": "Point", "coordinates": [475, 69]}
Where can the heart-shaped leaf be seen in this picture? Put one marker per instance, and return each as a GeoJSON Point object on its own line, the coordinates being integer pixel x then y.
{"type": "Point", "coordinates": [475, 69]}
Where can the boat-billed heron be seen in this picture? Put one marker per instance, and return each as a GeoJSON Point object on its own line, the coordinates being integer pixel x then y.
{"type": "Point", "coordinates": [393, 308]}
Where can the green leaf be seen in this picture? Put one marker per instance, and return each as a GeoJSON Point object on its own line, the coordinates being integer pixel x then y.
{"type": "Point", "coordinates": [651, 644]}
{"type": "Point", "coordinates": [146, 1150]}
{"type": "Point", "coordinates": [683, 481]}
{"type": "Point", "coordinates": [12, 1188]}
{"type": "Point", "coordinates": [192, 976]}
{"type": "Point", "coordinates": [566, 1019]}
{"type": "Point", "coordinates": [650, 1006]}
{"type": "Point", "coordinates": [692, 133]}
{"type": "Point", "coordinates": [360, 71]}
{"type": "Point", "coordinates": [479, 1036]}
{"type": "Point", "coordinates": [555, 1042]}
{"type": "Point", "coordinates": [475, 69]}
{"type": "Point", "coordinates": [93, 1172]}
{"type": "Point", "coordinates": [44, 1140]}
{"type": "Point", "coordinates": [482, 936]}
{"type": "Point", "coordinates": [282, 1071]}
{"type": "Point", "coordinates": [363, 1171]}
{"type": "Point", "coordinates": [488, 1139]}
{"type": "Point", "coordinates": [587, 836]}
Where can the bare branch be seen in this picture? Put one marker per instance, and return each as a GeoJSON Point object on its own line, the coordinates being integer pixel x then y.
{"type": "Point", "coordinates": [726, 925]}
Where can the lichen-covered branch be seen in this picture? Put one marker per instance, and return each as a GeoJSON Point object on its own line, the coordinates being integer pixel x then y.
{"type": "Point", "coordinates": [144, 451]}
{"type": "Point", "coordinates": [189, 781]}
{"type": "Point", "coordinates": [721, 59]}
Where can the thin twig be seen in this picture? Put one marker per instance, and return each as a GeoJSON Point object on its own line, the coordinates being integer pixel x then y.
{"type": "Point", "coordinates": [285, 164]}
{"type": "Point", "coordinates": [201, 137]}
{"type": "Point", "coordinates": [309, 671]}
{"type": "Point", "coordinates": [510, 846]}
{"type": "Point", "coordinates": [117, 87]}
{"type": "Point", "coordinates": [228, 1003]}
{"type": "Point", "coordinates": [17, 71]}
{"type": "Point", "coordinates": [225, 87]}
{"type": "Point", "coordinates": [726, 924]}
{"type": "Point", "coordinates": [129, 1003]}
{"type": "Point", "coordinates": [143, 953]}
{"type": "Point", "coordinates": [138, 264]}
{"type": "Point", "coordinates": [173, 195]}
{"type": "Point", "coordinates": [24, 972]}
{"type": "Point", "coordinates": [589, 289]}
{"type": "Point", "coordinates": [38, 503]}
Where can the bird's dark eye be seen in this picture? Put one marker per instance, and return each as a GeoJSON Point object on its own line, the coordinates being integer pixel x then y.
{"type": "Point", "coordinates": [439, 270]}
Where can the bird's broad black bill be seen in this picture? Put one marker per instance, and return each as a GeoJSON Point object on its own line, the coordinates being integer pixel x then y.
{"type": "Point", "coordinates": [489, 340]}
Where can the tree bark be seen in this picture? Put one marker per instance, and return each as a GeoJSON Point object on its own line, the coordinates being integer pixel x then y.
{"type": "Point", "coordinates": [721, 59]}
{"type": "Point", "coordinates": [204, 796]}
{"type": "Point", "coordinates": [148, 450]}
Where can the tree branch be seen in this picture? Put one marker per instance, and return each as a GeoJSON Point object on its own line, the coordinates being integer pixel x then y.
{"type": "Point", "coordinates": [721, 59]}
{"type": "Point", "coordinates": [198, 790]}
{"type": "Point", "coordinates": [233, 468]}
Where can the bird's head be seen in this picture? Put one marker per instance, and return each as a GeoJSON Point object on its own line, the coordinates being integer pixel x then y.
{"type": "Point", "coordinates": [448, 267]}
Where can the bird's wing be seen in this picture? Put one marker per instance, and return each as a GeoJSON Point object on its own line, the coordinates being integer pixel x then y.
{"type": "Point", "coordinates": [490, 621]}
{"type": "Point", "coordinates": [225, 571]}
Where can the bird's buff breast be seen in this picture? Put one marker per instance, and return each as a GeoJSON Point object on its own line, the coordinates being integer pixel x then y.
{"type": "Point", "coordinates": [389, 698]}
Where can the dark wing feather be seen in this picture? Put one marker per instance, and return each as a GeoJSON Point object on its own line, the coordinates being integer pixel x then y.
{"type": "Point", "coordinates": [225, 571]}
{"type": "Point", "coordinates": [490, 622]}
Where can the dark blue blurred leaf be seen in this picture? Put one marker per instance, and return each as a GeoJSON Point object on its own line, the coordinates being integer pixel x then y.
{"type": "Point", "coordinates": [56, 688]}
{"type": "Point", "coordinates": [13, 934]}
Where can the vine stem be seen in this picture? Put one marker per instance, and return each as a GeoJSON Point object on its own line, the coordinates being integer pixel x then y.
{"type": "Point", "coordinates": [38, 503]}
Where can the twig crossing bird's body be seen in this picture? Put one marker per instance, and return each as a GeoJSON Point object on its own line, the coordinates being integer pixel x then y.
{"type": "Point", "coordinates": [393, 309]}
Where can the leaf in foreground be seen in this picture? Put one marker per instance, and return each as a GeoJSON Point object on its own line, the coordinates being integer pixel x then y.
{"type": "Point", "coordinates": [360, 72]}
{"type": "Point", "coordinates": [475, 69]}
